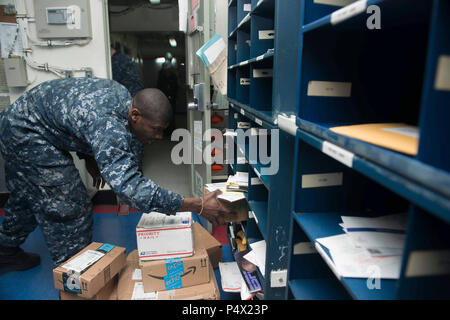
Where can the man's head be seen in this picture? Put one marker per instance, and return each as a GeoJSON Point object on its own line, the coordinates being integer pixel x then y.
{"type": "Point", "coordinates": [149, 115]}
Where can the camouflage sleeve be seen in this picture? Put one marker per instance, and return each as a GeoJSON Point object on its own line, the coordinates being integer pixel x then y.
{"type": "Point", "coordinates": [138, 150]}
{"type": "Point", "coordinates": [111, 145]}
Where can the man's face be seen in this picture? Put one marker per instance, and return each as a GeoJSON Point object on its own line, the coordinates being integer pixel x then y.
{"type": "Point", "coordinates": [146, 130]}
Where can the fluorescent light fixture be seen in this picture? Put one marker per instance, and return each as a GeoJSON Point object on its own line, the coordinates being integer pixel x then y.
{"type": "Point", "coordinates": [155, 1]}
{"type": "Point", "coordinates": [172, 42]}
{"type": "Point", "coordinates": [160, 60]}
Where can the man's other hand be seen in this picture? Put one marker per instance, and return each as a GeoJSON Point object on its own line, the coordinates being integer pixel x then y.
{"type": "Point", "coordinates": [92, 168]}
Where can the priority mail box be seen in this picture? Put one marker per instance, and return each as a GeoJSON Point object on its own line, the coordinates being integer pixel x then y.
{"type": "Point", "coordinates": [161, 236]}
{"type": "Point", "coordinates": [86, 273]}
{"type": "Point", "coordinates": [168, 274]}
{"type": "Point", "coordinates": [131, 287]}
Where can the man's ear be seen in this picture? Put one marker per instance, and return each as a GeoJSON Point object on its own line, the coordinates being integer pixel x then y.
{"type": "Point", "coordinates": [135, 114]}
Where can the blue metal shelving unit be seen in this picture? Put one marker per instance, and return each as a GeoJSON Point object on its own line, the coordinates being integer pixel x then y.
{"type": "Point", "coordinates": [261, 43]}
{"type": "Point", "coordinates": [393, 76]}
{"type": "Point", "coordinates": [396, 75]}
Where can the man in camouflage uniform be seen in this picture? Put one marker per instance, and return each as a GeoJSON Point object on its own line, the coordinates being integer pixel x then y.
{"type": "Point", "coordinates": [95, 117]}
{"type": "Point", "coordinates": [125, 71]}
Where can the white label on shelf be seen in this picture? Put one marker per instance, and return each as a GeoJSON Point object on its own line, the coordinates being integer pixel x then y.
{"type": "Point", "coordinates": [407, 131]}
{"type": "Point", "coordinates": [244, 81]}
{"type": "Point", "coordinates": [243, 63]}
{"type": "Point", "coordinates": [330, 89]}
{"type": "Point", "coordinates": [339, 3]}
{"type": "Point", "coordinates": [341, 155]}
{"type": "Point", "coordinates": [287, 124]}
{"type": "Point", "coordinates": [251, 215]}
{"type": "Point", "coordinates": [442, 81]}
{"type": "Point", "coordinates": [428, 263]}
{"type": "Point", "coordinates": [260, 57]}
{"type": "Point", "coordinates": [255, 181]}
{"type": "Point", "coordinates": [258, 121]}
{"type": "Point", "coordinates": [322, 180]}
{"type": "Point", "coordinates": [243, 125]}
{"type": "Point", "coordinates": [247, 7]}
{"type": "Point", "coordinates": [304, 248]}
{"type": "Point", "coordinates": [254, 216]}
{"type": "Point", "coordinates": [241, 160]}
{"type": "Point", "coordinates": [262, 73]}
{"type": "Point", "coordinates": [257, 173]}
{"type": "Point", "coordinates": [235, 115]}
{"type": "Point", "coordinates": [266, 34]}
{"type": "Point", "coordinates": [348, 11]}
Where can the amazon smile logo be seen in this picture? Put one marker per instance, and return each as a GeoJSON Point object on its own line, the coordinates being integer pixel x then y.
{"type": "Point", "coordinates": [192, 269]}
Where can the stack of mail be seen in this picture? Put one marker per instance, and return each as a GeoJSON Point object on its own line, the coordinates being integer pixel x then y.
{"type": "Point", "coordinates": [229, 196]}
{"type": "Point", "coordinates": [381, 236]}
{"type": "Point", "coordinates": [369, 248]}
{"type": "Point", "coordinates": [238, 182]}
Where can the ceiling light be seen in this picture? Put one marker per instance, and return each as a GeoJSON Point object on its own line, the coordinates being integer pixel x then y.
{"type": "Point", "coordinates": [172, 42]}
{"type": "Point", "coordinates": [155, 1]}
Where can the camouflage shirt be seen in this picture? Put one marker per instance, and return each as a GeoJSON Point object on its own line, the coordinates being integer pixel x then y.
{"type": "Point", "coordinates": [88, 116]}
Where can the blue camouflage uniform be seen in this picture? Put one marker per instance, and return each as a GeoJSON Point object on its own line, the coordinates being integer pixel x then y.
{"type": "Point", "coordinates": [125, 72]}
{"type": "Point", "coordinates": [37, 132]}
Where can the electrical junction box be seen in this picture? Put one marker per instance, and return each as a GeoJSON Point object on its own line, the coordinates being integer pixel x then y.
{"type": "Point", "coordinates": [16, 72]}
{"type": "Point", "coordinates": [63, 19]}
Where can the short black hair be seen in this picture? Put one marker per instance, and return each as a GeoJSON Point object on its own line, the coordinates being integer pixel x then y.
{"type": "Point", "coordinates": [153, 104]}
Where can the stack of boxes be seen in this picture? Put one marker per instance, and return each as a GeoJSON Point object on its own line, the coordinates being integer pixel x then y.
{"type": "Point", "coordinates": [174, 261]}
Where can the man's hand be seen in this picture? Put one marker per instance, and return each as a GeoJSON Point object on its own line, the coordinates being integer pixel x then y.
{"type": "Point", "coordinates": [92, 168]}
{"type": "Point", "coordinates": [213, 211]}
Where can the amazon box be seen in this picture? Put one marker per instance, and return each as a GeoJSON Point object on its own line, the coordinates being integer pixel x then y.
{"type": "Point", "coordinates": [130, 286]}
{"type": "Point", "coordinates": [86, 273]}
{"type": "Point", "coordinates": [203, 239]}
{"type": "Point", "coordinates": [239, 208]}
{"type": "Point", "coordinates": [161, 236]}
{"type": "Point", "coordinates": [108, 292]}
{"type": "Point", "coordinates": [167, 274]}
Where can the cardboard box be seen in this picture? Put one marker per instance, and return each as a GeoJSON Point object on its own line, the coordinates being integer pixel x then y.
{"type": "Point", "coordinates": [108, 292]}
{"type": "Point", "coordinates": [86, 273]}
{"type": "Point", "coordinates": [130, 286]}
{"type": "Point", "coordinates": [161, 236]}
{"type": "Point", "coordinates": [239, 207]}
{"type": "Point", "coordinates": [160, 275]}
{"type": "Point", "coordinates": [203, 239]}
